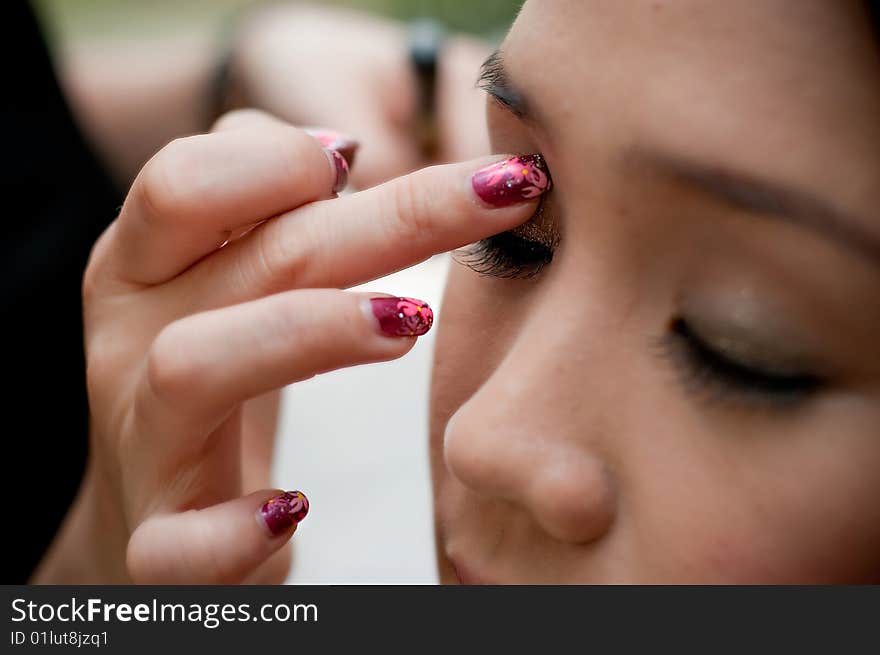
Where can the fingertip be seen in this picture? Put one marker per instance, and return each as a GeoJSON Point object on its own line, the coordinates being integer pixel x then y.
{"type": "Point", "coordinates": [397, 316]}
{"type": "Point", "coordinates": [339, 169]}
{"type": "Point", "coordinates": [242, 118]}
{"type": "Point", "coordinates": [519, 179]}
{"type": "Point", "coordinates": [217, 544]}
{"type": "Point", "coordinates": [283, 512]}
{"type": "Point", "coordinates": [344, 144]}
{"type": "Point", "coordinates": [266, 530]}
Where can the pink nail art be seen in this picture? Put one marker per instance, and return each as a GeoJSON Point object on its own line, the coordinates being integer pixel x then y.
{"type": "Point", "coordinates": [402, 317]}
{"type": "Point", "coordinates": [282, 511]}
{"type": "Point", "coordinates": [342, 143]}
{"type": "Point", "coordinates": [341, 166]}
{"type": "Point", "coordinates": [514, 180]}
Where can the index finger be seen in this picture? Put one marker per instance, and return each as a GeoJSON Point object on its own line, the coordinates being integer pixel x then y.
{"type": "Point", "coordinates": [357, 238]}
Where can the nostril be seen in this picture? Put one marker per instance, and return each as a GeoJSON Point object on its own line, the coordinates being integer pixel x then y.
{"type": "Point", "coordinates": [572, 498]}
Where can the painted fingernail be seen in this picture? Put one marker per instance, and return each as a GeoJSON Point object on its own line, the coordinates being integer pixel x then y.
{"type": "Point", "coordinates": [402, 317]}
{"type": "Point", "coordinates": [345, 145]}
{"type": "Point", "coordinates": [284, 510]}
{"type": "Point", "coordinates": [513, 180]}
{"type": "Point", "coordinates": [341, 168]}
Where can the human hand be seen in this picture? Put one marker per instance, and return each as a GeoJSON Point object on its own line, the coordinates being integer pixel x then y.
{"type": "Point", "coordinates": [183, 329]}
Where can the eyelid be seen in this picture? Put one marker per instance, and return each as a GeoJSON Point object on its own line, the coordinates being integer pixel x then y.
{"type": "Point", "coordinates": [749, 332]}
{"type": "Point", "coordinates": [713, 376]}
{"type": "Point", "coordinates": [505, 98]}
{"type": "Point", "coordinates": [541, 226]}
{"type": "Point", "coordinates": [493, 80]}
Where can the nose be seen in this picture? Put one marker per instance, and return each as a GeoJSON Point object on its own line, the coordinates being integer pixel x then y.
{"type": "Point", "coordinates": [497, 448]}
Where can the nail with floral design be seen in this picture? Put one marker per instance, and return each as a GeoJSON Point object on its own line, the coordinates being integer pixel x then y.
{"type": "Point", "coordinates": [342, 143]}
{"type": "Point", "coordinates": [518, 179]}
{"type": "Point", "coordinates": [280, 512]}
{"type": "Point", "coordinates": [402, 317]}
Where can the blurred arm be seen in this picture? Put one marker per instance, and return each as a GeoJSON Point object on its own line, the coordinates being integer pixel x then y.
{"type": "Point", "coordinates": [131, 97]}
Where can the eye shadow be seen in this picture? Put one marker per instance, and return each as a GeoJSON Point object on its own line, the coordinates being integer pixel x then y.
{"type": "Point", "coordinates": [540, 228]}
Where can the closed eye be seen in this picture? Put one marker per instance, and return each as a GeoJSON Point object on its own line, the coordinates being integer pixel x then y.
{"type": "Point", "coordinates": [708, 370]}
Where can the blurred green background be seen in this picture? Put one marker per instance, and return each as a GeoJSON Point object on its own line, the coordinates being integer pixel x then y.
{"type": "Point", "coordinates": [93, 18]}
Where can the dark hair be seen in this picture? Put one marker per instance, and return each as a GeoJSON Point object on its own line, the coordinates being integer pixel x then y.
{"type": "Point", "coordinates": [874, 10]}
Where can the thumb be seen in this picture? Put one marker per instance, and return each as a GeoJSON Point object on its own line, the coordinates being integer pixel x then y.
{"type": "Point", "coordinates": [221, 544]}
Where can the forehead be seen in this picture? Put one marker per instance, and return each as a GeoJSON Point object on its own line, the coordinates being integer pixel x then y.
{"type": "Point", "coordinates": [785, 85]}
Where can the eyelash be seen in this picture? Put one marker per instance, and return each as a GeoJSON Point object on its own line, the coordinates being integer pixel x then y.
{"type": "Point", "coordinates": [704, 370]}
{"type": "Point", "coordinates": [492, 79]}
{"type": "Point", "coordinates": [510, 255]}
{"type": "Point", "coordinates": [716, 376]}
{"type": "Point", "coordinates": [507, 255]}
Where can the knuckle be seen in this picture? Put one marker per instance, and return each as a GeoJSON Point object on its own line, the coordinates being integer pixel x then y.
{"type": "Point", "coordinates": [170, 373]}
{"type": "Point", "coordinates": [280, 261]}
{"type": "Point", "coordinates": [411, 211]}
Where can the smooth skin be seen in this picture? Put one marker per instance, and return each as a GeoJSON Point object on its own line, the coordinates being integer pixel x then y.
{"type": "Point", "coordinates": [182, 331]}
{"type": "Point", "coordinates": [567, 445]}
{"type": "Point", "coordinates": [134, 95]}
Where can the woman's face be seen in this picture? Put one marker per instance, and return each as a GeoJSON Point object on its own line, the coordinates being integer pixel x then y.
{"type": "Point", "coordinates": [690, 391]}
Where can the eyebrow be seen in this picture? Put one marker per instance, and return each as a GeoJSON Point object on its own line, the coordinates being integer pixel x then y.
{"type": "Point", "coordinates": [771, 199]}
{"type": "Point", "coordinates": [765, 198]}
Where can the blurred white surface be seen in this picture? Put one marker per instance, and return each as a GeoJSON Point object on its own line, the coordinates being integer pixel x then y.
{"type": "Point", "coordinates": [356, 442]}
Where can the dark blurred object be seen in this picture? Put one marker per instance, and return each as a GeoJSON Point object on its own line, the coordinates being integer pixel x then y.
{"type": "Point", "coordinates": [426, 38]}
{"type": "Point", "coordinates": [58, 200]}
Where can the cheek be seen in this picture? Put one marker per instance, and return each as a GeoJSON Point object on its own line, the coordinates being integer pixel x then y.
{"type": "Point", "coordinates": [741, 539]}
{"type": "Point", "coordinates": [713, 501]}
{"type": "Point", "coordinates": [704, 495]}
